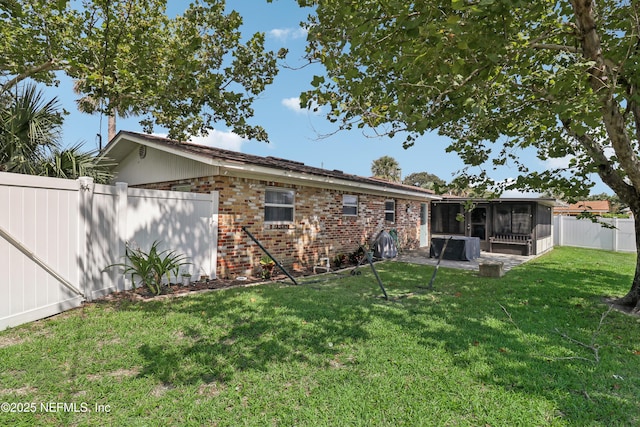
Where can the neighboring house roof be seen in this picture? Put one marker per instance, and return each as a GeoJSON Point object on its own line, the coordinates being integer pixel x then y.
{"type": "Point", "coordinates": [593, 206]}
{"type": "Point", "coordinates": [272, 168]}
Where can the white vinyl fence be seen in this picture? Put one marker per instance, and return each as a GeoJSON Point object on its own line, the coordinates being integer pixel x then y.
{"type": "Point", "coordinates": [569, 231]}
{"type": "Point", "coordinates": [57, 236]}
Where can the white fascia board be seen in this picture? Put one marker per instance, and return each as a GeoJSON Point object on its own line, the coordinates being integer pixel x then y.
{"type": "Point", "coordinates": [163, 147]}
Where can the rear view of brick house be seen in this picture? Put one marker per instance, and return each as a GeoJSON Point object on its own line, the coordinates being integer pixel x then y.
{"type": "Point", "coordinates": [300, 213]}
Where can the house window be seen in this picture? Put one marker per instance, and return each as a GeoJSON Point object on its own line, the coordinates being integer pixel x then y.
{"type": "Point", "coordinates": [390, 210]}
{"type": "Point", "coordinates": [349, 205]}
{"type": "Point", "coordinates": [444, 218]}
{"type": "Point", "coordinates": [181, 187]}
{"type": "Point", "coordinates": [512, 219]}
{"type": "Point", "coordinates": [278, 205]}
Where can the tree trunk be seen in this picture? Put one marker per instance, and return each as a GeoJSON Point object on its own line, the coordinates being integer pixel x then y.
{"type": "Point", "coordinates": [632, 298]}
{"type": "Point", "coordinates": [111, 127]}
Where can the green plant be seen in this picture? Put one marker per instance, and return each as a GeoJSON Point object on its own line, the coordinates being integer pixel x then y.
{"type": "Point", "coordinates": [356, 256]}
{"type": "Point", "coordinates": [340, 260]}
{"type": "Point", "coordinates": [152, 266]}
{"type": "Point", "coordinates": [267, 264]}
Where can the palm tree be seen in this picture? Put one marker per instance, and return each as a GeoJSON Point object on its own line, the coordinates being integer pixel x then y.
{"type": "Point", "coordinates": [30, 140]}
{"type": "Point", "coordinates": [90, 105]}
{"type": "Point", "coordinates": [29, 126]}
{"type": "Point", "coordinates": [72, 163]}
{"type": "Point", "coordinates": [386, 168]}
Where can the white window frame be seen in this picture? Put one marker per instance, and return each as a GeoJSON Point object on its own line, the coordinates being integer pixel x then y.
{"type": "Point", "coordinates": [391, 212]}
{"type": "Point", "coordinates": [349, 204]}
{"type": "Point", "coordinates": [280, 205]}
{"type": "Point", "coordinates": [186, 188]}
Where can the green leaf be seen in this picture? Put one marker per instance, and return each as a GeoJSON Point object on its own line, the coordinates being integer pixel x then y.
{"type": "Point", "coordinates": [457, 4]}
{"type": "Point", "coordinates": [317, 81]}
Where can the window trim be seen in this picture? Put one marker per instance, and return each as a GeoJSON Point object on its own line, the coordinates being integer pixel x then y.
{"type": "Point", "coordinates": [292, 206]}
{"type": "Point", "coordinates": [349, 205]}
{"type": "Point", "coordinates": [185, 188]}
{"type": "Point", "coordinates": [389, 211]}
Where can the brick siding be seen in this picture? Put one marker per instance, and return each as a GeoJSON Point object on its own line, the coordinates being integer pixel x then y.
{"type": "Point", "coordinates": [319, 228]}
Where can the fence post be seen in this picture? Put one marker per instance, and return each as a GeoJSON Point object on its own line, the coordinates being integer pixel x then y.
{"type": "Point", "coordinates": [122, 193]}
{"type": "Point", "coordinates": [616, 236]}
{"type": "Point", "coordinates": [86, 188]}
{"type": "Point", "coordinates": [560, 230]}
{"type": "Point", "coordinates": [213, 229]}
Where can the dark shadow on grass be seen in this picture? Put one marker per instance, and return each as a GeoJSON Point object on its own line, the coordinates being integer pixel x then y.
{"type": "Point", "coordinates": [506, 321]}
{"type": "Point", "coordinates": [542, 305]}
{"type": "Point", "coordinates": [289, 324]}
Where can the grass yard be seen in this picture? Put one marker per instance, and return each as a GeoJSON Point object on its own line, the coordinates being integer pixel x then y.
{"type": "Point", "coordinates": [534, 348]}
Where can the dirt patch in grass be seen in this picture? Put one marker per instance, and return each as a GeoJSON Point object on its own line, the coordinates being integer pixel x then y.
{"type": "Point", "coordinates": [8, 341]}
{"type": "Point", "coordinates": [117, 374]}
{"type": "Point", "coordinates": [211, 389]}
{"type": "Point", "coordinates": [161, 389]}
{"type": "Point", "coordinates": [22, 391]}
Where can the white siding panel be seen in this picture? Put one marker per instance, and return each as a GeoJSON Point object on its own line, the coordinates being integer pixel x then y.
{"type": "Point", "coordinates": [43, 295]}
{"type": "Point", "coordinates": [28, 220]}
{"type": "Point", "coordinates": [5, 253]}
{"type": "Point", "coordinates": [158, 166]}
{"type": "Point", "coordinates": [103, 248]}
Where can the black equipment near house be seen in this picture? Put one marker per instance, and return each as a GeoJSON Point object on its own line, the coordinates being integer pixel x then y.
{"type": "Point", "coordinates": [384, 246]}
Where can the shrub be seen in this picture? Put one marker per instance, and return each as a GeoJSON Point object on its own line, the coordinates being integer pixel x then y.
{"type": "Point", "coordinates": [340, 260]}
{"type": "Point", "coordinates": [267, 264]}
{"type": "Point", "coordinates": [152, 266]}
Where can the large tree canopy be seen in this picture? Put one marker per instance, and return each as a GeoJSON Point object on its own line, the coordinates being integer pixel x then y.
{"type": "Point", "coordinates": [495, 76]}
{"type": "Point", "coordinates": [185, 73]}
{"type": "Point", "coordinates": [425, 180]}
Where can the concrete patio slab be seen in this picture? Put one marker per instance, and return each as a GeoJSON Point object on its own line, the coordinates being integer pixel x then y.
{"type": "Point", "coordinates": [421, 256]}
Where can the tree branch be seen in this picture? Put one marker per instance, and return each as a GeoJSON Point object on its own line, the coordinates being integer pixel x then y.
{"type": "Point", "coordinates": [560, 47]}
{"type": "Point", "coordinates": [46, 66]}
{"type": "Point", "coordinates": [602, 79]}
{"type": "Point", "coordinates": [606, 170]}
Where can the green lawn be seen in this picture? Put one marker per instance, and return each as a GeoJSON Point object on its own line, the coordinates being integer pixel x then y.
{"type": "Point", "coordinates": [534, 348]}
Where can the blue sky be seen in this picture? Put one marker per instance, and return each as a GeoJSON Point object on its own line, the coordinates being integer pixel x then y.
{"type": "Point", "coordinates": [295, 134]}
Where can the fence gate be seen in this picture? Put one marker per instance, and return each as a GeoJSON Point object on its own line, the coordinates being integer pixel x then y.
{"type": "Point", "coordinates": [57, 236]}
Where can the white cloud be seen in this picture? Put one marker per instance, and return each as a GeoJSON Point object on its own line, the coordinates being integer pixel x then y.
{"type": "Point", "coordinates": [219, 139]}
{"type": "Point", "coordinates": [557, 162]}
{"type": "Point", "coordinates": [517, 194]}
{"type": "Point", "coordinates": [284, 34]}
{"type": "Point", "coordinates": [293, 104]}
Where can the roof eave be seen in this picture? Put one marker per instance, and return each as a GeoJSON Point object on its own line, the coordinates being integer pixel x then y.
{"type": "Point", "coordinates": [114, 151]}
